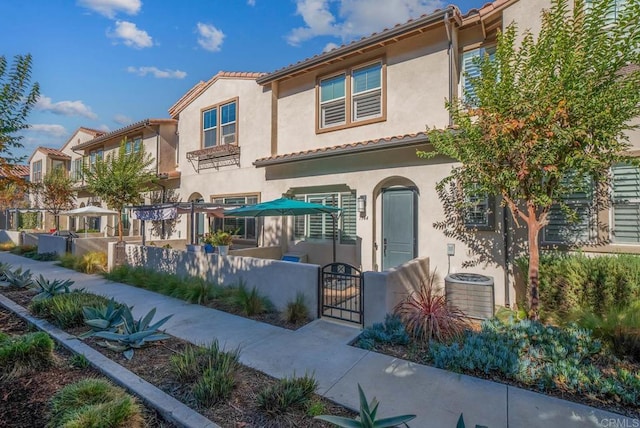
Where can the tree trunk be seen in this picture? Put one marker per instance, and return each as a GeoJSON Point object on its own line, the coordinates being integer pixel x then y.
{"type": "Point", "coordinates": [120, 232]}
{"type": "Point", "coordinates": [533, 226]}
{"type": "Point", "coordinates": [56, 222]}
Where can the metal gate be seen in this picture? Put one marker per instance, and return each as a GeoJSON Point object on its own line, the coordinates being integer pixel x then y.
{"type": "Point", "coordinates": [341, 293]}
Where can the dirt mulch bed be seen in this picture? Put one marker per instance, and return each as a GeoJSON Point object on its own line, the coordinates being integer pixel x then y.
{"type": "Point", "coordinates": [273, 318]}
{"type": "Point", "coordinates": [21, 296]}
{"type": "Point", "coordinates": [240, 411]}
{"type": "Point", "coordinates": [24, 401]}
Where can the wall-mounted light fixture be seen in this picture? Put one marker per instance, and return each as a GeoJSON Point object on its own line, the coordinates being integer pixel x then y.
{"type": "Point", "coordinates": [361, 205]}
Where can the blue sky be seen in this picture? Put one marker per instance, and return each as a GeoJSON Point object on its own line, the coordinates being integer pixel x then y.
{"type": "Point", "coordinates": [106, 63]}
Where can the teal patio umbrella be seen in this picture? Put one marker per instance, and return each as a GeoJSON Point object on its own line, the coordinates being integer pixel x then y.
{"type": "Point", "coordinates": [285, 206]}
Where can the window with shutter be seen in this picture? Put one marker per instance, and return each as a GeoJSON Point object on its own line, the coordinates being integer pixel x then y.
{"type": "Point", "coordinates": [626, 204]}
{"type": "Point", "coordinates": [477, 212]}
{"type": "Point", "coordinates": [581, 228]}
{"type": "Point", "coordinates": [359, 89]}
{"type": "Point", "coordinates": [367, 92]}
{"type": "Point", "coordinates": [332, 101]}
{"type": "Point", "coordinates": [244, 227]}
{"type": "Point", "coordinates": [320, 226]}
{"type": "Point", "coordinates": [471, 70]}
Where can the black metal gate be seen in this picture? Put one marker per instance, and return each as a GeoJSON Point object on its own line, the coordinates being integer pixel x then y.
{"type": "Point", "coordinates": [341, 293]}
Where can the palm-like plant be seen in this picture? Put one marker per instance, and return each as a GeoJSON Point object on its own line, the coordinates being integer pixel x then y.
{"type": "Point", "coordinates": [134, 334]}
{"type": "Point", "coordinates": [367, 418]}
{"type": "Point", "coordinates": [427, 315]}
{"type": "Point", "coordinates": [19, 278]}
{"type": "Point", "coordinates": [103, 318]}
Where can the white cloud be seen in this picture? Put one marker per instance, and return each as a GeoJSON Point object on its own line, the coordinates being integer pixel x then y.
{"type": "Point", "coordinates": [210, 37]}
{"type": "Point", "coordinates": [348, 19]}
{"type": "Point", "coordinates": [156, 72]}
{"type": "Point", "coordinates": [48, 129]}
{"type": "Point", "coordinates": [129, 34]}
{"type": "Point", "coordinates": [251, 2]}
{"type": "Point", "coordinates": [104, 128]}
{"type": "Point", "coordinates": [330, 46]}
{"type": "Point", "coordinates": [65, 108]}
{"type": "Point", "coordinates": [121, 119]}
{"type": "Point", "coordinates": [110, 8]}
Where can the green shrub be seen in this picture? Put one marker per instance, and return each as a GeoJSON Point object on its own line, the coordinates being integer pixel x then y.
{"type": "Point", "coordinates": [4, 267]}
{"type": "Point", "coordinates": [287, 394]}
{"type": "Point", "coordinates": [65, 310]}
{"type": "Point", "coordinates": [31, 351]}
{"type": "Point", "coordinates": [79, 361]}
{"type": "Point", "coordinates": [569, 282]}
{"type": "Point", "coordinates": [210, 370]}
{"type": "Point", "coordinates": [47, 289]}
{"type": "Point", "coordinates": [619, 327]}
{"type": "Point", "coordinates": [546, 357]}
{"type": "Point", "coordinates": [42, 257]}
{"type": "Point", "coordinates": [296, 311]}
{"type": "Point", "coordinates": [7, 246]}
{"type": "Point", "coordinates": [250, 302]}
{"type": "Point", "coordinates": [68, 260]}
{"type": "Point", "coordinates": [391, 332]}
{"type": "Point", "coordinates": [94, 403]}
{"type": "Point", "coordinates": [22, 249]}
{"type": "Point", "coordinates": [19, 278]}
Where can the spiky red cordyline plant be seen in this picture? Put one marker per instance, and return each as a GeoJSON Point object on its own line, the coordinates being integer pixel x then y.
{"type": "Point", "coordinates": [427, 316]}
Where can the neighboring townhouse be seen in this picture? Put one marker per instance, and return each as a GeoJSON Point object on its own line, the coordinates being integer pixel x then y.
{"type": "Point", "coordinates": [13, 193]}
{"type": "Point", "coordinates": [46, 159]}
{"type": "Point", "coordinates": [342, 128]}
{"type": "Point", "coordinates": [224, 125]}
{"type": "Point", "coordinates": [158, 138]}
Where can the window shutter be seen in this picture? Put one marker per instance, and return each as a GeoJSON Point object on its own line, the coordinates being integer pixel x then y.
{"type": "Point", "coordinates": [626, 205]}
{"type": "Point", "coordinates": [561, 230]}
{"type": "Point", "coordinates": [367, 105]}
{"type": "Point", "coordinates": [333, 113]}
{"type": "Point", "coordinates": [348, 218]}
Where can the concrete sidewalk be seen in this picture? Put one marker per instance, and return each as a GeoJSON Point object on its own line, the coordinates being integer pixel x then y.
{"type": "Point", "coordinates": [436, 396]}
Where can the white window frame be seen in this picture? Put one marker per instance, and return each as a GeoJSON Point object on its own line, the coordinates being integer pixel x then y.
{"type": "Point", "coordinates": [324, 105]}
{"type": "Point", "coordinates": [211, 128]}
{"type": "Point", "coordinates": [37, 171]}
{"type": "Point", "coordinates": [133, 146]}
{"type": "Point", "coordinates": [228, 124]}
{"type": "Point", "coordinates": [220, 128]}
{"type": "Point", "coordinates": [356, 96]}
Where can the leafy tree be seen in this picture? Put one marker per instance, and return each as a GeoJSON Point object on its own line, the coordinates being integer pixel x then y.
{"type": "Point", "coordinates": [120, 179]}
{"type": "Point", "coordinates": [548, 115]}
{"type": "Point", "coordinates": [57, 193]}
{"type": "Point", "coordinates": [17, 97]}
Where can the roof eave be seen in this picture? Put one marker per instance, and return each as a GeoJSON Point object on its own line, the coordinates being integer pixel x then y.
{"type": "Point", "coordinates": [123, 131]}
{"type": "Point", "coordinates": [383, 145]}
{"type": "Point", "coordinates": [355, 46]}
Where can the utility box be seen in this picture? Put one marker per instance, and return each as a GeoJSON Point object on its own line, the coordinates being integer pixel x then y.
{"type": "Point", "coordinates": [472, 293]}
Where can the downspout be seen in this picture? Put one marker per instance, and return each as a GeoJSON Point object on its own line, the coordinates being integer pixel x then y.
{"type": "Point", "coordinates": [447, 26]}
{"type": "Point", "coordinates": [505, 240]}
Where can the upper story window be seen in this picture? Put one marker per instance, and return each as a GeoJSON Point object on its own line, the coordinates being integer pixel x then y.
{"type": "Point", "coordinates": [224, 117]}
{"type": "Point", "coordinates": [471, 70]}
{"type": "Point", "coordinates": [353, 97]}
{"type": "Point", "coordinates": [133, 146]}
{"type": "Point", "coordinates": [76, 169]}
{"type": "Point", "coordinates": [612, 14]}
{"type": "Point", "coordinates": [94, 156]}
{"type": "Point", "coordinates": [36, 171]}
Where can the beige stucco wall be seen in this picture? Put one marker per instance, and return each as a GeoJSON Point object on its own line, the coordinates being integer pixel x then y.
{"type": "Point", "coordinates": [416, 88]}
{"type": "Point", "coordinates": [253, 133]}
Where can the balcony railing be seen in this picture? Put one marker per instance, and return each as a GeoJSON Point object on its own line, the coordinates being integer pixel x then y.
{"type": "Point", "coordinates": [215, 157]}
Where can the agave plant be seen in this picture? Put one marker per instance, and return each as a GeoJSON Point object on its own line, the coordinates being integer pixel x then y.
{"type": "Point", "coordinates": [133, 334]}
{"type": "Point", "coordinates": [103, 318]}
{"type": "Point", "coordinates": [48, 289]}
{"type": "Point", "coordinates": [427, 316]}
{"type": "Point", "coordinates": [4, 267]}
{"type": "Point", "coordinates": [367, 418]}
{"type": "Point", "coordinates": [18, 278]}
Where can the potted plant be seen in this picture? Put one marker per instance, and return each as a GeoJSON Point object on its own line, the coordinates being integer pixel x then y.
{"type": "Point", "coordinates": [222, 240]}
{"type": "Point", "coordinates": [209, 242]}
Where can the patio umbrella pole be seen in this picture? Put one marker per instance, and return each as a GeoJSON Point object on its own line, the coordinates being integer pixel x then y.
{"type": "Point", "coordinates": [143, 234]}
{"type": "Point", "coordinates": [333, 217]}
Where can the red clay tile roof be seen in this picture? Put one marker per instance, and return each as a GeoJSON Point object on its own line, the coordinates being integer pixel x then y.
{"type": "Point", "coordinates": [124, 130]}
{"type": "Point", "coordinates": [95, 132]}
{"type": "Point", "coordinates": [53, 152]}
{"type": "Point", "coordinates": [368, 145]}
{"type": "Point", "coordinates": [201, 86]}
{"type": "Point", "coordinates": [16, 170]}
{"type": "Point", "coordinates": [388, 34]}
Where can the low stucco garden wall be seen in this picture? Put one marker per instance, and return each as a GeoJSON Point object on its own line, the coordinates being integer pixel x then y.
{"type": "Point", "coordinates": [10, 235]}
{"type": "Point", "coordinates": [384, 290]}
{"type": "Point", "coordinates": [280, 281]}
{"type": "Point", "coordinates": [52, 244]}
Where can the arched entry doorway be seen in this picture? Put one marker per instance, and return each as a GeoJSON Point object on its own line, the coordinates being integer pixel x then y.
{"type": "Point", "coordinates": [398, 233]}
{"type": "Point", "coordinates": [196, 231]}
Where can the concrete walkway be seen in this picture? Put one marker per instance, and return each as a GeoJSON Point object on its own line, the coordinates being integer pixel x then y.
{"type": "Point", "coordinates": [436, 396]}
